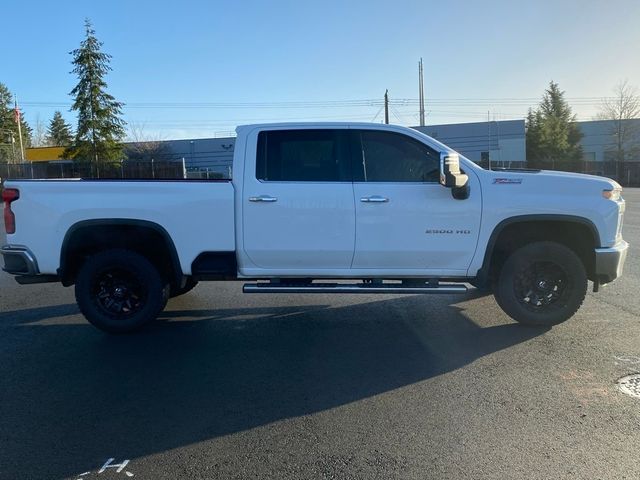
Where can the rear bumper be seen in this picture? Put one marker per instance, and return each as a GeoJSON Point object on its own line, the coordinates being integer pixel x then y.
{"type": "Point", "coordinates": [19, 260]}
{"type": "Point", "coordinates": [610, 261]}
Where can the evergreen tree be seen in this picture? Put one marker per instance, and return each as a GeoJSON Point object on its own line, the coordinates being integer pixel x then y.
{"type": "Point", "coordinates": [59, 132]}
{"type": "Point", "coordinates": [553, 138]}
{"type": "Point", "coordinates": [533, 136]}
{"type": "Point", "coordinates": [9, 128]}
{"type": "Point", "coordinates": [100, 128]}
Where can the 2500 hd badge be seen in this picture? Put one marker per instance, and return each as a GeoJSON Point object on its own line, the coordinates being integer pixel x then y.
{"type": "Point", "coordinates": [445, 231]}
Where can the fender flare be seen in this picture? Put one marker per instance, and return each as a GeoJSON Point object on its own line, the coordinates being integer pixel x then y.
{"type": "Point", "coordinates": [175, 260]}
{"type": "Point", "coordinates": [483, 274]}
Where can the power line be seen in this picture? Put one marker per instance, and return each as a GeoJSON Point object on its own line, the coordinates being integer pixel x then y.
{"type": "Point", "coordinates": [396, 114]}
{"type": "Point", "coordinates": [249, 119]}
{"type": "Point", "coordinates": [337, 103]}
{"type": "Point", "coordinates": [293, 104]}
{"type": "Point", "coordinates": [377, 113]}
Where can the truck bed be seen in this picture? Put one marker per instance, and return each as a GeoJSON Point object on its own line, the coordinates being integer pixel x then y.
{"type": "Point", "coordinates": [197, 215]}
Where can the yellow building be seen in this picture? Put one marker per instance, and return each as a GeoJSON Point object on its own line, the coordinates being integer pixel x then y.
{"type": "Point", "coordinates": [44, 154]}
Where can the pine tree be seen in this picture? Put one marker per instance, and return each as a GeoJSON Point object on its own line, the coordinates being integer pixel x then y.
{"type": "Point", "coordinates": [100, 128]}
{"type": "Point", "coordinates": [533, 137]}
{"type": "Point", "coordinates": [553, 137]}
{"type": "Point", "coordinates": [10, 152]}
{"type": "Point", "coordinates": [59, 132]}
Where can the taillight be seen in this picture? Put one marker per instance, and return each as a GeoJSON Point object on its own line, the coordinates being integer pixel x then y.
{"type": "Point", "coordinates": [9, 195]}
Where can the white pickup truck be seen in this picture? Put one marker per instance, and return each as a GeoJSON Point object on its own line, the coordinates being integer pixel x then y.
{"type": "Point", "coordinates": [322, 208]}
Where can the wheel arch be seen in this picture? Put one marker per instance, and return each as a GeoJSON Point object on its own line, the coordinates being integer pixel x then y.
{"type": "Point", "coordinates": [118, 233]}
{"type": "Point", "coordinates": [558, 227]}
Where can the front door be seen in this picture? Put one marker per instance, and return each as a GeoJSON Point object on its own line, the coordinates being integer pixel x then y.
{"type": "Point", "coordinates": [406, 222]}
{"type": "Point", "coordinates": [298, 211]}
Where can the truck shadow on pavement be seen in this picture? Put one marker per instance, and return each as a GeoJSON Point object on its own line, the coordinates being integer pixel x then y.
{"type": "Point", "coordinates": [73, 397]}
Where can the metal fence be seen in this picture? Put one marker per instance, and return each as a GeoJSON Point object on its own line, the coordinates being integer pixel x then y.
{"type": "Point", "coordinates": [119, 170]}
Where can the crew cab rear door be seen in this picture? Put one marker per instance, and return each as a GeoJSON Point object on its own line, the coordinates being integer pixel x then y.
{"type": "Point", "coordinates": [298, 210]}
{"type": "Point", "coordinates": [406, 222]}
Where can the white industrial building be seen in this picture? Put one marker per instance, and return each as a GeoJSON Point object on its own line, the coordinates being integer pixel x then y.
{"type": "Point", "coordinates": [502, 142]}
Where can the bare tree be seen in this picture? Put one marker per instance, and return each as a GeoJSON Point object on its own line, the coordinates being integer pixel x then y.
{"type": "Point", "coordinates": [624, 109]}
{"type": "Point", "coordinates": [39, 135]}
{"type": "Point", "coordinates": [144, 146]}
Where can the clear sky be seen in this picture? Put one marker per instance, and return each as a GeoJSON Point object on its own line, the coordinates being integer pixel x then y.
{"type": "Point", "coordinates": [197, 68]}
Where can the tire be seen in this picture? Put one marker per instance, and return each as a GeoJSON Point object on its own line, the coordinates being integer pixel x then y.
{"type": "Point", "coordinates": [541, 284]}
{"type": "Point", "coordinates": [188, 286]}
{"type": "Point", "coordinates": [120, 291]}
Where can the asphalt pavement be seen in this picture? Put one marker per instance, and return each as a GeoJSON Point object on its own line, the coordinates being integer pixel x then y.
{"type": "Point", "coordinates": [231, 386]}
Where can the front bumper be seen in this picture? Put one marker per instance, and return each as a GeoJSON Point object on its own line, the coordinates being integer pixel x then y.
{"type": "Point", "coordinates": [19, 260]}
{"type": "Point", "coordinates": [610, 261]}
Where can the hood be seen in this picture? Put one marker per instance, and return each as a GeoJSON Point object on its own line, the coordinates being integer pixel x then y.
{"type": "Point", "coordinates": [550, 179]}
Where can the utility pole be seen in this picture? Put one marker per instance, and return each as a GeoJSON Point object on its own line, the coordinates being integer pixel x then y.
{"type": "Point", "coordinates": [19, 121]}
{"type": "Point", "coordinates": [421, 92]}
{"type": "Point", "coordinates": [386, 107]}
{"type": "Point", "coordinates": [489, 138]}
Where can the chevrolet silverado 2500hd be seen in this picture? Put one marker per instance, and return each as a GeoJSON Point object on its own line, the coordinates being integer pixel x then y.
{"type": "Point", "coordinates": [322, 208]}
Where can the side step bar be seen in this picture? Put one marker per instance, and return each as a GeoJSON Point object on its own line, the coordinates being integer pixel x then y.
{"type": "Point", "coordinates": [268, 287]}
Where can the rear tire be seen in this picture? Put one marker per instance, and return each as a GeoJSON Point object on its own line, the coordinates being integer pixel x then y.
{"type": "Point", "coordinates": [541, 284]}
{"type": "Point", "coordinates": [120, 291]}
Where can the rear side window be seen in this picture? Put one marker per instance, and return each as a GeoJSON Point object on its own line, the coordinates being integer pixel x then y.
{"type": "Point", "coordinates": [393, 157]}
{"type": "Point", "coordinates": [303, 156]}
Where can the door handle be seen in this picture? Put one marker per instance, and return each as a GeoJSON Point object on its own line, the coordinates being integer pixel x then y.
{"type": "Point", "coordinates": [263, 198]}
{"type": "Point", "coordinates": [374, 199]}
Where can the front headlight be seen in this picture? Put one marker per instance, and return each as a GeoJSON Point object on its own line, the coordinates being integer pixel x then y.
{"type": "Point", "coordinates": [614, 194]}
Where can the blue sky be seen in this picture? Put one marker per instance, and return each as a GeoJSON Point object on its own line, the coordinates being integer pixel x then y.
{"type": "Point", "coordinates": [267, 54]}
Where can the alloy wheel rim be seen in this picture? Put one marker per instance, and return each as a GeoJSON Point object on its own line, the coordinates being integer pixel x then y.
{"type": "Point", "coordinates": [118, 292]}
{"type": "Point", "coordinates": [541, 286]}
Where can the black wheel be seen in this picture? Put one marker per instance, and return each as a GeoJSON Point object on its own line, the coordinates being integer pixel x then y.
{"type": "Point", "coordinates": [188, 286]}
{"type": "Point", "coordinates": [543, 283]}
{"type": "Point", "coordinates": [120, 291]}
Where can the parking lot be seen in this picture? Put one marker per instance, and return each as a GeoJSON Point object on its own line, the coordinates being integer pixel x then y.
{"type": "Point", "coordinates": [228, 385]}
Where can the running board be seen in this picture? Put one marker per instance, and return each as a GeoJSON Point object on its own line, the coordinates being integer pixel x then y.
{"type": "Point", "coordinates": [267, 287]}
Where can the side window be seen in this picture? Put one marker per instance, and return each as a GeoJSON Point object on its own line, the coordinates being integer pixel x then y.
{"type": "Point", "coordinates": [302, 156]}
{"type": "Point", "coordinates": [393, 157]}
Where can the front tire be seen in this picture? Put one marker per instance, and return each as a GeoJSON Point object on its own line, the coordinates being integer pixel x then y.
{"type": "Point", "coordinates": [541, 284]}
{"type": "Point", "coordinates": [120, 291]}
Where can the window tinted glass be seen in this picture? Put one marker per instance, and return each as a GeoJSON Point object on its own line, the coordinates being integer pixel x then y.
{"type": "Point", "coordinates": [302, 156]}
{"type": "Point", "coordinates": [393, 157]}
